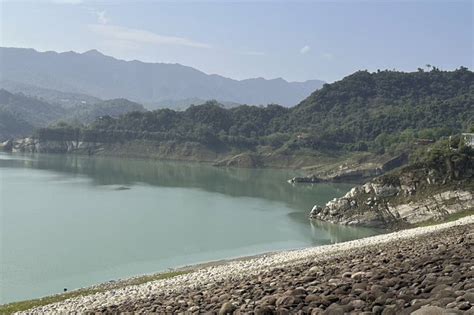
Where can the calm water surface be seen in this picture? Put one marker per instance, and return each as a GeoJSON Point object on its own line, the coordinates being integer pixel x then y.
{"type": "Point", "coordinates": [70, 222]}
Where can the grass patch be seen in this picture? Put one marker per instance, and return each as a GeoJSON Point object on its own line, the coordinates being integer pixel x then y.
{"type": "Point", "coordinates": [449, 218]}
{"type": "Point", "coordinates": [29, 304]}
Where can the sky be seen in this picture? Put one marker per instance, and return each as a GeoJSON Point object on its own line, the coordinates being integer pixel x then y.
{"type": "Point", "coordinates": [297, 40]}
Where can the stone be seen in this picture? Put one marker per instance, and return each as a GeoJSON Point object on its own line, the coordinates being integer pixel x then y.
{"type": "Point", "coordinates": [440, 288]}
{"type": "Point", "coordinates": [282, 311]}
{"type": "Point", "coordinates": [299, 291]}
{"type": "Point", "coordinates": [193, 309]}
{"type": "Point", "coordinates": [312, 298]}
{"type": "Point", "coordinates": [286, 300]}
{"type": "Point", "coordinates": [317, 311]}
{"type": "Point", "coordinates": [357, 304]}
{"type": "Point", "coordinates": [469, 296]}
{"type": "Point", "coordinates": [227, 308]}
{"type": "Point", "coordinates": [430, 310]}
{"type": "Point", "coordinates": [377, 309]}
{"type": "Point", "coordinates": [264, 310]}
{"type": "Point", "coordinates": [464, 306]}
{"type": "Point", "coordinates": [358, 275]}
{"type": "Point", "coordinates": [390, 310]}
{"type": "Point", "coordinates": [315, 211]}
{"type": "Point", "coordinates": [314, 270]}
{"type": "Point", "coordinates": [268, 300]}
{"type": "Point", "coordinates": [224, 297]}
{"type": "Point", "coordinates": [334, 310]}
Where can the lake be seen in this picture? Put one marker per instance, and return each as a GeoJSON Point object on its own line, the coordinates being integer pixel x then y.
{"type": "Point", "coordinates": [73, 221]}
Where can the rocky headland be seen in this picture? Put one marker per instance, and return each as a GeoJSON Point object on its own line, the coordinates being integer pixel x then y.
{"type": "Point", "coordinates": [439, 185]}
{"type": "Point", "coordinates": [426, 270]}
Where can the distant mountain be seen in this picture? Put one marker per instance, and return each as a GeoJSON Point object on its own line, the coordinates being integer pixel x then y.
{"type": "Point", "coordinates": [92, 73]}
{"type": "Point", "coordinates": [21, 114]}
{"type": "Point", "coordinates": [32, 110]}
{"type": "Point", "coordinates": [85, 114]}
{"type": "Point", "coordinates": [185, 103]}
{"type": "Point", "coordinates": [64, 99]}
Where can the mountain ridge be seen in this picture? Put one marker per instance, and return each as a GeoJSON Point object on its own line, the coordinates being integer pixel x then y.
{"type": "Point", "coordinates": [93, 73]}
{"type": "Point", "coordinates": [365, 115]}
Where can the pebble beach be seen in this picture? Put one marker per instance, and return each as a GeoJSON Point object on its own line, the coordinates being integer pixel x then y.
{"type": "Point", "coordinates": [425, 270]}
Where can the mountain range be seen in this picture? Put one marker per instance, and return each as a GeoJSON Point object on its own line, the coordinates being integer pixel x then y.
{"type": "Point", "coordinates": [93, 74]}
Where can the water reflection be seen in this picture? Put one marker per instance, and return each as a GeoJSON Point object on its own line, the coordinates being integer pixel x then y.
{"type": "Point", "coordinates": [260, 183]}
{"type": "Point", "coordinates": [72, 221]}
{"type": "Point", "coordinates": [340, 233]}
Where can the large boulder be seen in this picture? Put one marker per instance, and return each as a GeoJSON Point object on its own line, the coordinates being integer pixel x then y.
{"type": "Point", "coordinates": [6, 146]}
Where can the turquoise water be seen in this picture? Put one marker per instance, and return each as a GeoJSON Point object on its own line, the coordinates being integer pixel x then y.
{"type": "Point", "coordinates": [70, 222]}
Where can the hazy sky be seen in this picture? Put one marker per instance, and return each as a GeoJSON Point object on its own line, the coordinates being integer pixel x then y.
{"type": "Point", "coordinates": [294, 40]}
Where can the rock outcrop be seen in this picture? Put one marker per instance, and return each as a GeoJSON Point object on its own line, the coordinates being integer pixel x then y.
{"type": "Point", "coordinates": [6, 145]}
{"type": "Point", "coordinates": [370, 205]}
{"type": "Point", "coordinates": [354, 172]}
{"type": "Point", "coordinates": [33, 145]}
{"type": "Point", "coordinates": [245, 160]}
{"type": "Point", "coordinates": [414, 194]}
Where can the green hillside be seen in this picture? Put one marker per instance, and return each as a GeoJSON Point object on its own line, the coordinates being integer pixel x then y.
{"type": "Point", "coordinates": [20, 115]}
{"type": "Point", "coordinates": [378, 112]}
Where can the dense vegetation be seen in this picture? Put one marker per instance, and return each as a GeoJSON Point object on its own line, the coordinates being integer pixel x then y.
{"type": "Point", "coordinates": [21, 114]}
{"type": "Point", "coordinates": [450, 157]}
{"type": "Point", "coordinates": [12, 125]}
{"type": "Point", "coordinates": [34, 111]}
{"type": "Point", "coordinates": [379, 112]}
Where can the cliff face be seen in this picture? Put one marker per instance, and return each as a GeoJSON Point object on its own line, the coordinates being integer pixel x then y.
{"type": "Point", "coordinates": [416, 193]}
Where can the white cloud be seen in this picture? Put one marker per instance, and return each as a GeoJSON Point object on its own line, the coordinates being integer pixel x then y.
{"type": "Point", "coordinates": [327, 56]}
{"type": "Point", "coordinates": [136, 36]}
{"type": "Point", "coordinates": [305, 50]}
{"type": "Point", "coordinates": [101, 18]}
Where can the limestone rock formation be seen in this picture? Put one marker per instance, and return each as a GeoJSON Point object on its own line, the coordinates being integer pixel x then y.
{"type": "Point", "coordinates": [416, 193]}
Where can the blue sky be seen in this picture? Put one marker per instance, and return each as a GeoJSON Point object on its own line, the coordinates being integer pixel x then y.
{"type": "Point", "coordinates": [296, 40]}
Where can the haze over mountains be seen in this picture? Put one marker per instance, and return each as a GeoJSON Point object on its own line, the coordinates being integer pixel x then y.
{"type": "Point", "coordinates": [153, 84]}
{"type": "Point", "coordinates": [20, 115]}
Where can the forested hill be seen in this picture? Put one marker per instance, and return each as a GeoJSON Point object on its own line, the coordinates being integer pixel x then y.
{"type": "Point", "coordinates": [21, 114]}
{"type": "Point", "coordinates": [364, 106]}
{"type": "Point", "coordinates": [365, 111]}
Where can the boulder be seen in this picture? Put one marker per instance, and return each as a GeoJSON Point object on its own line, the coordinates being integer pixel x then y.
{"type": "Point", "coordinates": [315, 211]}
{"type": "Point", "coordinates": [430, 310]}
{"type": "Point", "coordinates": [6, 146]}
{"type": "Point", "coordinates": [227, 308]}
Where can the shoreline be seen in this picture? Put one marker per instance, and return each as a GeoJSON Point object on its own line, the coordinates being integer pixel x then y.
{"type": "Point", "coordinates": [199, 275]}
{"type": "Point", "coordinates": [365, 165]}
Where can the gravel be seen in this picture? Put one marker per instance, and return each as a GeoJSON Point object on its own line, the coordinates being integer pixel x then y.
{"type": "Point", "coordinates": [343, 277]}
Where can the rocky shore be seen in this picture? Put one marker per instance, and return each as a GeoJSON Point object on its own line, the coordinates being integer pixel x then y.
{"type": "Point", "coordinates": [431, 190]}
{"type": "Point", "coordinates": [425, 270]}
{"type": "Point", "coordinates": [375, 205]}
{"type": "Point", "coordinates": [335, 169]}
